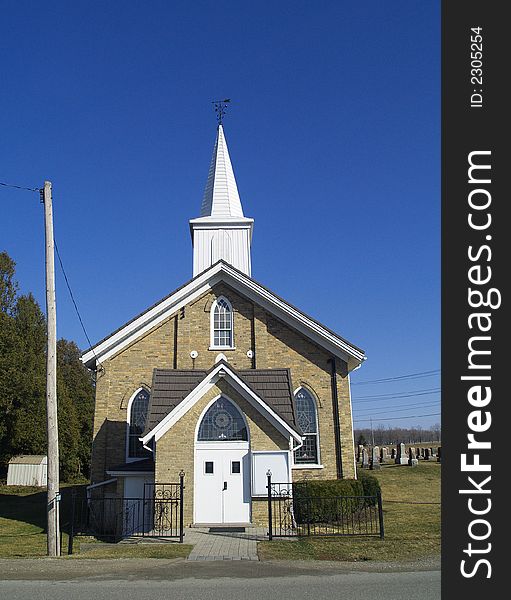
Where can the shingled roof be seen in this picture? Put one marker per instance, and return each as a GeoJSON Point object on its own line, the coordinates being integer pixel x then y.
{"type": "Point", "coordinates": [170, 387]}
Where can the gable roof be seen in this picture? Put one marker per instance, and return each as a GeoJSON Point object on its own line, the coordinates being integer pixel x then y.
{"type": "Point", "coordinates": [246, 286]}
{"type": "Point", "coordinates": [170, 387]}
{"type": "Point", "coordinates": [222, 370]}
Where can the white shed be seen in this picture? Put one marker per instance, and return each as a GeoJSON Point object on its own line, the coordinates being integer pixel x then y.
{"type": "Point", "coordinates": [28, 469]}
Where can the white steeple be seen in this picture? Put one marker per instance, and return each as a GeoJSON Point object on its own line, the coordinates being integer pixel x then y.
{"type": "Point", "coordinates": [221, 231]}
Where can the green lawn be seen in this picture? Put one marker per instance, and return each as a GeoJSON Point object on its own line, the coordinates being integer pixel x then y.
{"type": "Point", "coordinates": [412, 531]}
{"type": "Point", "coordinates": [23, 530]}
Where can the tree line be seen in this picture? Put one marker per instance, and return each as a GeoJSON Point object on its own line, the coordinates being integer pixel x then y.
{"type": "Point", "coordinates": [395, 435]}
{"type": "Point", "coordinates": [23, 384]}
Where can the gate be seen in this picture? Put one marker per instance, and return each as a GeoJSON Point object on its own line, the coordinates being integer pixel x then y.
{"type": "Point", "coordinates": [159, 514]}
{"type": "Point", "coordinates": [293, 512]}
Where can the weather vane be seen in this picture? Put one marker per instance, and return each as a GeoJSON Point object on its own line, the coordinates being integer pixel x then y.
{"type": "Point", "coordinates": [220, 108]}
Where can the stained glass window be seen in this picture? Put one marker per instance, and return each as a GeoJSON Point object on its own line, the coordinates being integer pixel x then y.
{"type": "Point", "coordinates": [138, 416]}
{"type": "Point", "coordinates": [222, 324]}
{"type": "Point", "coordinates": [307, 419]}
{"type": "Point", "coordinates": [222, 422]}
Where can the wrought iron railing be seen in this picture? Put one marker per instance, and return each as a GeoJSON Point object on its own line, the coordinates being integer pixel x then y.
{"type": "Point", "coordinates": [158, 514]}
{"type": "Point", "coordinates": [293, 512]}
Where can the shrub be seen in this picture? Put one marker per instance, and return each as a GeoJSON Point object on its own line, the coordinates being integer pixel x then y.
{"type": "Point", "coordinates": [370, 485]}
{"type": "Point", "coordinates": [326, 501]}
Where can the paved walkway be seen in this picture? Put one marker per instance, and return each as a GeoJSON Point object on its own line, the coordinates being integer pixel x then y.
{"type": "Point", "coordinates": [229, 545]}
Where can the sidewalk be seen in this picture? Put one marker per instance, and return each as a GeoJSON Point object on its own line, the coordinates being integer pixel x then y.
{"type": "Point", "coordinates": [228, 545]}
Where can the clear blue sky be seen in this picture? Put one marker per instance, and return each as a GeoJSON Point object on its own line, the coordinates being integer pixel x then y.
{"type": "Point", "coordinates": [334, 134]}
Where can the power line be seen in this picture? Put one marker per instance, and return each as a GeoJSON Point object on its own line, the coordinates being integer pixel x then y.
{"type": "Point", "coordinates": [398, 418]}
{"type": "Point", "coordinates": [419, 375]}
{"type": "Point", "coordinates": [386, 412]}
{"type": "Point", "coordinates": [74, 303]}
{"type": "Point", "coordinates": [19, 187]}
{"type": "Point", "coordinates": [391, 408]}
{"type": "Point", "coordinates": [397, 395]}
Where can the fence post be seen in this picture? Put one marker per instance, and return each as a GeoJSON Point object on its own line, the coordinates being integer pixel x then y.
{"type": "Point", "coordinates": [270, 516]}
{"type": "Point", "coordinates": [71, 523]}
{"type": "Point", "coordinates": [380, 516]}
{"type": "Point", "coordinates": [181, 507]}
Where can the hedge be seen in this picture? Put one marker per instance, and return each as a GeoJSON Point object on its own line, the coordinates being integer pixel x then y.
{"type": "Point", "coordinates": [330, 500]}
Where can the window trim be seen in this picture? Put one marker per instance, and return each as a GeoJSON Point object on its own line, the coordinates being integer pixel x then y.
{"type": "Point", "coordinates": [212, 345]}
{"type": "Point", "coordinates": [129, 458]}
{"type": "Point", "coordinates": [318, 464]}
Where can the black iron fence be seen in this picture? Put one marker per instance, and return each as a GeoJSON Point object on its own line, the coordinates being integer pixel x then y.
{"type": "Point", "coordinates": [158, 514]}
{"type": "Point", "coordinates": [293, 511]}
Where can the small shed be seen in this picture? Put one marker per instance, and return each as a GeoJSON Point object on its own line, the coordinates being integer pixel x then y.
{"type": "Point", "coordinates": [28, 469]}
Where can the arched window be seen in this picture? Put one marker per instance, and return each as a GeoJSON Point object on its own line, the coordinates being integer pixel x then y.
{"type": "Point", "coordinates": [223, 422]}
{"type": "Point", "coordinates": [222, 324]}
{"type": "Point", "coordinates": [306, 415]}
{"type": "Point", "coordinates": [136, 424]}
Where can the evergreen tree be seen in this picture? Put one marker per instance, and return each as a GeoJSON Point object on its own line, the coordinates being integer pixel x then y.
{"type": "Point", "coordinates": [23, 384]}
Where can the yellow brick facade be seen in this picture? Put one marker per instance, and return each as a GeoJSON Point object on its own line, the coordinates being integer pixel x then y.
{"type": "Point", "coordinates": [275, 345]}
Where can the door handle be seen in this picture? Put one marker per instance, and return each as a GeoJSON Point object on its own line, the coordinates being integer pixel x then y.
{"type": "Point", "coordinates": [225, 486]}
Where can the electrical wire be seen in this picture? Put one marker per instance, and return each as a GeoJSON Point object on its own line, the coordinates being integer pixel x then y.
{"type": "Point", "coordinates": [74, 303]}
{"type": "Point", "coordinates": [19, 187]}
{"type": "Point", "coordinates": [397, 395]}
{"type": "Point", "coordinates": [386, 412]}
{"type": "Point", "coordinates": [395, 418]}
{"type": "Point", "coordinates": [391, 408]}
{"type": "Point", "coordinates": [418, 375]}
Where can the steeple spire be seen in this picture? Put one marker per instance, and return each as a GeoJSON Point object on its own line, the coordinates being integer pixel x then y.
{"type": "Point", "coordinates": [221, 197]}
{"type": "Point", "coordinates": [222, 232]}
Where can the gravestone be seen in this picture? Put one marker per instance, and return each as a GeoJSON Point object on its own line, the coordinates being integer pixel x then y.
{"type": "Point", "coordinates": [426, 454]}
{"type": "Point", "coordinates": [393, 454]}
{"type": "Point", "coordinates": [365, 458]}
{"type": "Point", "coordinates": [401, 458]}
{"type": "Point", "coordinates": [375, 458]}
{"type": "Point", "coordinates": [359, 453]}
{"type": "Point", "coordinates": [439, 454]}
{"type": "Point", "coordinates": [385, 453]}
{"type": "Point", "coordinates": [432, 452]}
{"type": "Point", "coordinates": [417, 453]}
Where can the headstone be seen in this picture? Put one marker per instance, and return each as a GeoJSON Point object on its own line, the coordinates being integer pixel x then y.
{"type": "Point", "coordinates": [413, 462]}
{"type": "Point", "coordinates": [393, 453]}
{"type": "Point", "coordinates": [426, 454]}
{"type": "Point", "coordinates": [385, 453]}
{"type": "Point", "coordinates": [401, 458]}
{"type": "Point", "coordinates": [381, 455]}
{"type": "Point", "coordinates": [411, 456]}
{"type": "Point", "coordinates": [375, 458]}
{"type": "Point", "coordinates": [365, 458]}
{"type": "Point", "coordinates": [417, 453]}
{"type": "Point", "coordinates": [432, 452]}
{"type": "Point", "coordinates": [439, 454]}
{"type": "Point", "coordinates": [359, 453]}
{"type": "Point", "coordinates": [422, 452]}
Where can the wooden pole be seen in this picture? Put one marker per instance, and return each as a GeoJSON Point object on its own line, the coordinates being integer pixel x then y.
{"type": "Point", "coordinates": [51, 382]}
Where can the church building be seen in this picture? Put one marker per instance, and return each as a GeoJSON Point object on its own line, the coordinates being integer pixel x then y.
{"type": "Point", "coordinates": [221, 380]}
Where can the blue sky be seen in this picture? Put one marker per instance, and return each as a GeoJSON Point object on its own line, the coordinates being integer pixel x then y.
{"type": "Point", "coordinates": [334, 134]}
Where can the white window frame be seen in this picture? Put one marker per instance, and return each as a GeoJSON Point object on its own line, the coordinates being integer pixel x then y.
{"type": "Point", "coordinates": [128, 422]}
{"type": "Point", "coordinates": [316, 465]}
{"type": "Point", "coordinates": [212, 345]}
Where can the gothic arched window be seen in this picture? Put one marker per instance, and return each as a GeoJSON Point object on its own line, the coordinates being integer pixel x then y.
{"type": "Point", "coordinates": [222, 324]}
{"type": "Point", "coordinates": [223, 422]}
{"type": "Point", "coordinates": [137, 415]}
{"type": "Point", "coordinates": [306, 415]}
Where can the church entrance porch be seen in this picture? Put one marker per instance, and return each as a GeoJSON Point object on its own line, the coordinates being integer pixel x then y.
{"type": "Point", "coordinates": [222, 491]}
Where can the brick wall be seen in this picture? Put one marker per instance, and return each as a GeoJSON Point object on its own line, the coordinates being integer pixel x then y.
{"type": "Point", "coordinates": [276, 346]}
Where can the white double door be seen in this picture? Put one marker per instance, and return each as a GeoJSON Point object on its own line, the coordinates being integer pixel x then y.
{"type": "Point", "coordinates": [222, 484]}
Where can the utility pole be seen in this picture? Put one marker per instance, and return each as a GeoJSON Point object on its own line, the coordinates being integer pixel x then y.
{"type": "Point", "coordinates": [51, 382]}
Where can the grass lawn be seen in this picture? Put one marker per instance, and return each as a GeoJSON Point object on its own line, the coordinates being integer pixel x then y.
{"type": "Point", "coordinates": [412, 531]}
{"type": "Point", "coordinates": [23, 530]}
